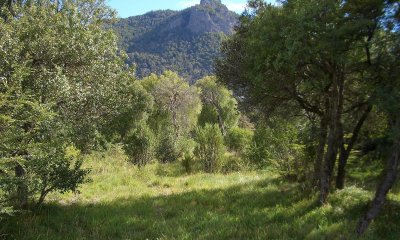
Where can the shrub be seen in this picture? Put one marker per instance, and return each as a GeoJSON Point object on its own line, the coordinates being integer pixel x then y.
{"type": "Point", "coordinates": [276, 145]}
{"type": "Point", "coordinates": [239, 139]}
{"type": "Point", "coordinates": [56, 169]}
{"type": "Point", "coordinates": [210, 148]}
{"type": "Point", "coordinates": [168, 147]}
{"type": "Point", "coordinates": [187, 162]}
{"type": "Point", "coordinates": [139, 145]}
{"type": "Point", "coordinates": [233, 163]}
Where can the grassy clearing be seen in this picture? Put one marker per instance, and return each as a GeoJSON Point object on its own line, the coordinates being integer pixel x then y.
{"type": "Point", "coordinates": [162, 202]}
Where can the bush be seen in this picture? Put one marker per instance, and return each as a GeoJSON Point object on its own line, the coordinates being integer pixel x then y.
{"type": "Point", "coordinates": [239, 139]}
{"type": "Point", "coordinates": [35, 160]}
{"type": "Point", "coordinates": [233, 163]}
{"type": "Point", "coordinates": [55, 169]}
{"type": "Point", "coordinates": [49, 168]}
{"type": "Point", "coordinates": [168, 147]}
{"type": "Point", "coordinates": [139, 145]}
{"type": "Point", "coordinates": [188, 162]}
{"type": "Point", "coordinates": [210, 148]}
{"type": "Point", "coordinates": [276, 145]}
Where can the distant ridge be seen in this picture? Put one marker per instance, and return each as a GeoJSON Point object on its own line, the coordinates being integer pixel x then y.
{"type": "Point", "coordinates": [184, 41]}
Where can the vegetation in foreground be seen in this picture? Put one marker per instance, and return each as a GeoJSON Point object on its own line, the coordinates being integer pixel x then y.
{"type": "Point", "coordinates": [324, 87]}
{"type": "Point", "coordinates": [160, 201]}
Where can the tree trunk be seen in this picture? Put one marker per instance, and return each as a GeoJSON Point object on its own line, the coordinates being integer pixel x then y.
{"type": "Point", "coordinates": [335, 114]}
{"type": "Point", "coordinates": [345, 152]}
{"type": "Point", "coordinates": [384, 186]}
{"type": "Point", "coordinates": [220, 118]}
{"type": "Point", "coordinates": [330, 159]}
{"type": "Point", "coordinates": [323, 134]}
{"type": "Point", "coordinates": [43, 195]}
{"type": "Point", "coordinates": [221, 125]}
{"type": "Point", "coordinates": [22, 189]}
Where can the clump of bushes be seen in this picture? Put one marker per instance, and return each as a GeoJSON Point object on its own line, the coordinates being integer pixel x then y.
{"type": "Point", "coordinates": [210, 147]}
{"type": "Point", "coordinates": [140, 145]}
{"type": "Point", "coordinates": [168, 147]}
{"type": "Point", "coordinates": [276, 146]}
{"type": "Point", "coordinates": [239, 139]}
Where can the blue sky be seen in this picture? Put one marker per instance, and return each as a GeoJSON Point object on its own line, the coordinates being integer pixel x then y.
{"type": "Point", "coordinates": [126, 8]}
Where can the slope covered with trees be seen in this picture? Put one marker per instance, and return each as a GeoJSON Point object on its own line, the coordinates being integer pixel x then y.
{"type": "Point", "coordinates": [186, 42]}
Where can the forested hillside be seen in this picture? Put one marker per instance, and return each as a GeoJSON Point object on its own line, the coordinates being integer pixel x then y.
{"type": "Point", "coordinates": [186, 41]}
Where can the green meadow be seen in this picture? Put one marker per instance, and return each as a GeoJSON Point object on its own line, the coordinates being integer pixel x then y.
{"type": "Point", "coordinates": [122, 201]}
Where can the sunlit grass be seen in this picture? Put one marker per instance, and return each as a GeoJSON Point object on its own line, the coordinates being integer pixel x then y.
{"type": "Point", "coordinates": [163, 202]}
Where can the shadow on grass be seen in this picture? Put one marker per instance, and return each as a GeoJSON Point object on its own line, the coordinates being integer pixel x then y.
{"type": "Point", "coordinates": [257, 210]}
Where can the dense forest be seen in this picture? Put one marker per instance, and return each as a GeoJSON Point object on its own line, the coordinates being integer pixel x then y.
{"type": "Point", "coordinates": [295, 135]}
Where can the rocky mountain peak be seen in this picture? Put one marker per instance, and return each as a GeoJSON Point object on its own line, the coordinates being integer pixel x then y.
{"type": "Point", "coordinates": [211, 16]}
{"type": "Point", "coordinates": [211, 3]}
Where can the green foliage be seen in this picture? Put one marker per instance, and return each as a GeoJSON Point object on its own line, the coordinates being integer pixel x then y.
{"type": "Point", "coordinates": [62, 80]}
{"type": "Point", "coordinates": [65, 58]}
{"type": "Point", "coordinates": [219, 105]}
{"type": "Point", "coordinates": [292, 60]}
{"type": "Point", "coordinates": [133, 104]}
{"type": "Point", "coordinates": [188, 162]}
{"type": "Point", "coordinates": [39, 149]}
{"type": "Point", "coordinates": [239, 139]}
{"type": "Point", "coordinates": [276, 146]}
{"type": "Point", "coordinates": [188, 159]}
{"type": "Point", "coordinates": [54, 169]}
{"type": "Point", "coordinates": [168, 148]}
{"type": "Point", "coordinates": [210, 147]}
{"type": "Point", "coordinates": [176, 109]}
{"type": "Point", "coordinates": [233, 163]}
{"type": "Point", "coordinates": [139, 145]}
{"type": "Point", "coordinates": [176, 102]}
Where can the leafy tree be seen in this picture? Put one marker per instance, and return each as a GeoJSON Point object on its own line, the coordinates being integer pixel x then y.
{"type": "Point", "coordinates": [387, 101]}
{"type": "Point", "coordinates": [323, 59]}
{"type": "Point", "coordinates": [79, 57]}
{"type": "Point", "coordinates": [61, 76]}
{"type": "Point", "coordinates": [175, 113]}
{"type": "Point", "coordinates": [133, 105]}
{"type": "Point", "coordinates": [312, 58]}
{"type": "Point", "coordinates": [219, 105]}
{"type": "Point", "coordinates": [177, 99]}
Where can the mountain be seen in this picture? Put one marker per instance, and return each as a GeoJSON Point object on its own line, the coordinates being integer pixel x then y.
{"type": "Point", "coordinates": [184, 41]}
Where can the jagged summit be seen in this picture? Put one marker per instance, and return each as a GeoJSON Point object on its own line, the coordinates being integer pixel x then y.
{"type": "Point", "coordinates": [211, 3]}
{"type": "Point", "coordinates": [210, 16]}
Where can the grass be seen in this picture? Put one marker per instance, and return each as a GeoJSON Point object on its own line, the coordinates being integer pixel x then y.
{"type": "Point", "coordinates": [162, 202]}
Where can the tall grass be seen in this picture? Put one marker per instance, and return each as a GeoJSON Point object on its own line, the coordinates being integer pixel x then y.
{"type": "Point", "coordinates": [163, 202]}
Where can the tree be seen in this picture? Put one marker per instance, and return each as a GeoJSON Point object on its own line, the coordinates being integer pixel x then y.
{"type": "Point", "coordinates": [219, 105]}
{"type": "Point", "coordinates": [175, 113]}
{"type": "Point", "coordinates": [387, 101]}
{"type": "Point", "coordinates": [80, 58]}
{"type": "Point", "coordinates": [60, 79]}
{"type": "Point", "coordinates": [311, 58]}
{"type": "Point", "coordinates": [175, 97]}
